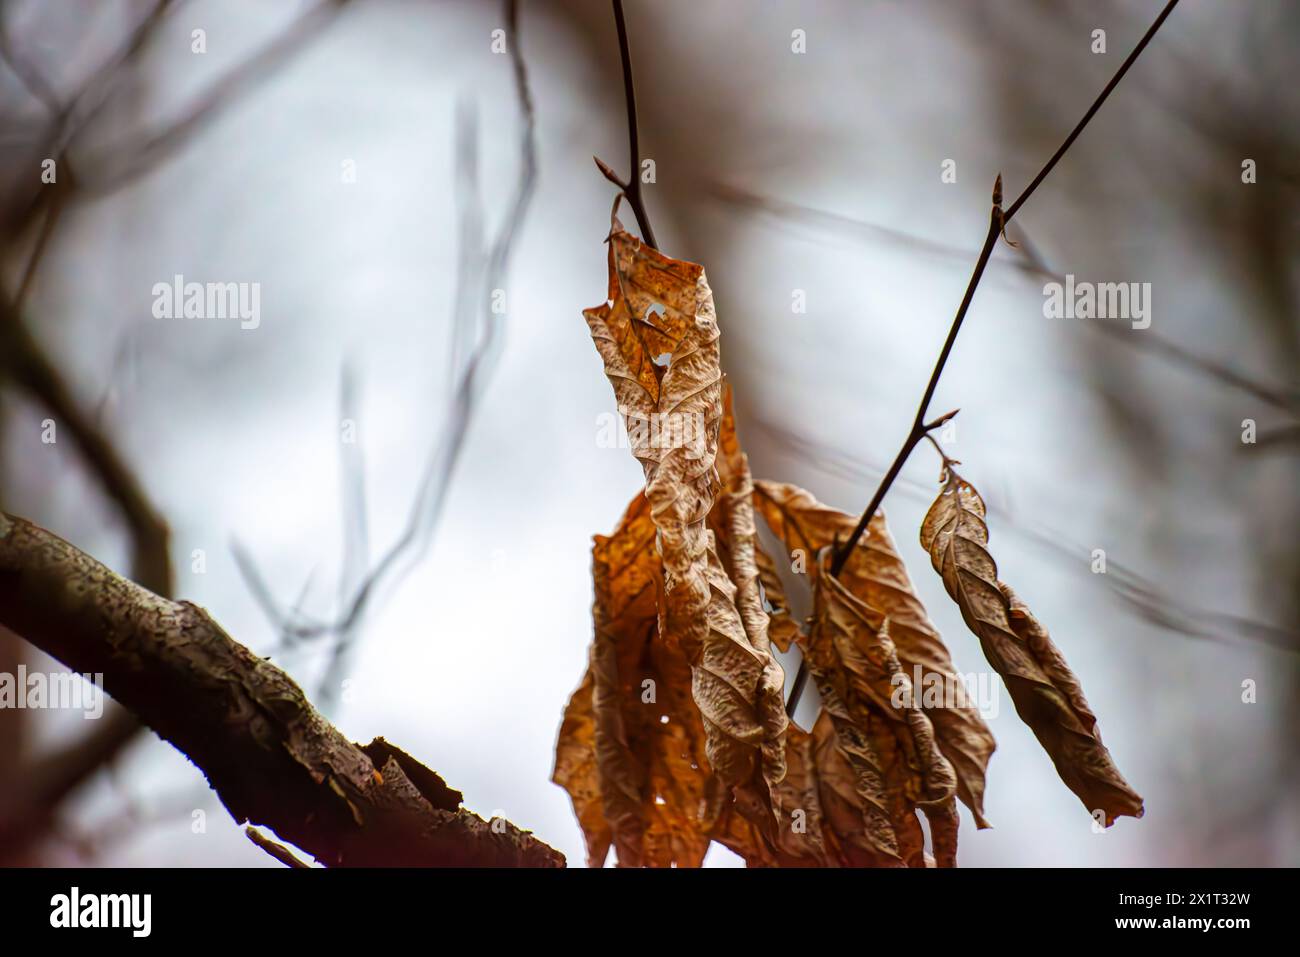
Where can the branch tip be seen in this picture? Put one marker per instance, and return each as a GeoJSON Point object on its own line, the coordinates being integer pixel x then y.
{"type": "Point", "coordinates": [609, 173]}
{"type": "Point", "coordinates": [935, 423]}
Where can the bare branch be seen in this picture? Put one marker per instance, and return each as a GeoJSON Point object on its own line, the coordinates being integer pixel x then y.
{"type": "Point", "coordinates": [998, 220]}
{"type": "Point", "coordinates": [278, 851]}
{"type": "Point", "coordinates": [159, 145]}
{"type": "Point", "coordinates": [632, 188]}
{"type": "Point", "coordinates": [36, 83]}
{"type": "Point", "coordinates": [25, 363]}
{"type": "Point", "coordinates": [490, 270]}
{"type": "Point", "coordinates": [1141, 594]}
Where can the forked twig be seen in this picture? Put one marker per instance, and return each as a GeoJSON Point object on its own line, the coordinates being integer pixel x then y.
{"type": "Point", "coordinates": [998, 219]}
{"type": "Point", "coordinates": [488, 272]}
{"type": "Point", "coordinates": [632, 187]}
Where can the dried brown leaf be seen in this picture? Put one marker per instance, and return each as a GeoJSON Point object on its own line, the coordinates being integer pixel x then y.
{"type": "Point", "coordinates": [631, 750]}
{"type": "Point", "coordinates": [875, 574]}
{"type": "Point", "coordinates": [782, 628]}
{"type": "Point", "coordinates": [662, 308]}
{"type": "Point", "coordinates": [741, 542]}
{"type": "Point", "coordinates": [850, 654]}
{"type": "Point", "coordinates": [854, 805]}
{"type": "Point", "coordinates": [636, 731]}
{"type": "Point", "coordinates": [800, 837]}
{"type": "Point", "coordinates": [576, 772]}
{"type": "Point", "coordinates": [1045, 692]}
{"type": "Point", "coordinates": [943, 831]}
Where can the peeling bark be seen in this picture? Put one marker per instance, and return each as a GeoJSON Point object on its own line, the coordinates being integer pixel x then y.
{"type": "Point", "coordinates": [270, 756]}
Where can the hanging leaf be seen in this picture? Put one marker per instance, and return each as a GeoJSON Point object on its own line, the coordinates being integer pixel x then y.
{"type": "Point", "coordinates": [576, 772]}
{"type": "Point", "coordinates": [624, 613]}
{"type": "Point", "coordinates": [636, 726]}
{"type": "Point", "coordinates": [863, 788]}
{"type": "Point", "coordinates": [827, 818]}
{"type": "Point", "coordinates": [800, 829]}
{"type": "Point", "coordinates": [1045, 692]}
{"type": "Point", "coordinates": [854, 803]}
{"type": "Point", "coordinates": [741, 541]}
{"type": "Point", "coordinates": [658, 338]}
{"type": "Point", "coordinates": [850, 654]}
{"type": "Point", "coordinates": [631, 750]}
{"type": "Point", "coordinates": [943, 831]}
{"type": "Point", "coordinates": [876, 575]}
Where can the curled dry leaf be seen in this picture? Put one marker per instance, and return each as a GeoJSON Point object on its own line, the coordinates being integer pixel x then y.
{"type": "Point", "coordinates": [943, 831]}
{"type": "Point", "coordinates": [800, 831]}
{"type": "Point", "coordinates": [740, 538]}
{"type": "Point", "coordinates": [576, 771]}
{"type": "Point", "coordinates": [857, 828]}
{"type": "Point", "coordinates": [876, 575]}
{"type": "Point", "coordinates": [860, 805]}
{"type": "Point", "coordinates": [662, 309]}
{"type": "Point", "coordinates": [822, 815]}
{"type": "Point", "coordinates": [631, 748]}
{"type": "Point", "coordinates": [869, 699]}
{"type": "Point", "coordinates": [821, 810]}
{"type": "Point", "coordinates": [1045, 692]}
{"type": "Point", "coordinates": [1082, 761]}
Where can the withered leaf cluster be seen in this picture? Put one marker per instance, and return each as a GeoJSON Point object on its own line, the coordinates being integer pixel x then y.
{"type": "Point", "coordinates": [678, 735]}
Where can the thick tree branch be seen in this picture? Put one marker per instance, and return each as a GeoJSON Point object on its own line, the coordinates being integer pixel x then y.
{"type": "Point", "coordinates": [271, 758]}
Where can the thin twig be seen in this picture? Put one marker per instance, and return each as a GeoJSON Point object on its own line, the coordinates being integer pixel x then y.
{"type": "Point", "coordinates": [161, 144]}
{"type": "Point", "coordinates": [919, 426]}
{"type": "Point", "coordinates": [1030, 262]}
{"type": "Point", "coordinates": [69, 119]}
{"type": "Point", "coordinates": [356, 536]}
{"type": "Point", "coordinates": [1157, 606]}
{"type": "Point", "coordinates": [36, 83]}
{"type": "Point", "coordinates": [948, 461]}
{"type": "Point", "coordinates": [26, 363]}
{"type": "Point", "coordinates": [278, 851]}
{"type": "Point", "coordinates": [435, 481]}
{"type": "Point", "coordinates": [998, 220]}
{"type": "Point", "coordinates": [631, 188]}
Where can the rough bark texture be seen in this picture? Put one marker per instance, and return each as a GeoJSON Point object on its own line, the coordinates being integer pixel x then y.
{"type": "Point", "coordinates": [272, 759]}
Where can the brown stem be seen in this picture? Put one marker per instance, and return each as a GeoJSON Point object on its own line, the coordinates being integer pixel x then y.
{"type": "Point", "coordinates": [948, 460]}
{"type": "Point", "coordinates": [997, 223]}
{"type": "Point", "coordinates": [278, 851]}
{"type": "Point", "coordinates": [919, 425]}
{"type": "Point", "coordinates": [632, 188]}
